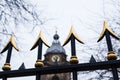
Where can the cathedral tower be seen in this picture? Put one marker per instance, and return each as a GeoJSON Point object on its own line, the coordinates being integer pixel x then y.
{"type": "Point", "coordinates": [55, 55]}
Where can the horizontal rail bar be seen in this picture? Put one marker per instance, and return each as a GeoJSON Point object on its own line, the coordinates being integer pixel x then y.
{"type": "Point", "coordinates": [61, 69]}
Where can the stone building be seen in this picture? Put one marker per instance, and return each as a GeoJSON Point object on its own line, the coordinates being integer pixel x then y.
{"type": "Point", "coordinates": [55, 55]}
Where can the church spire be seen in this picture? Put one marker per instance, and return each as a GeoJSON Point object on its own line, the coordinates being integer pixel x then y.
{"type": "Point", "coordinates": [56, 46]}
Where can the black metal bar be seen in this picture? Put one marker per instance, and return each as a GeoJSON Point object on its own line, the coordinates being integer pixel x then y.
{"type": "Point", "coordinates": [108, 40]}
{"type": "Point", "coordinates": [39, 49]}
{"type": "Point", "coordinates": [73, 46]}
{"type": "Point", "coordinates": [9, 53]}
{"type": "Point", "coordinates": [62, 69]}
{"type": "Point", "coordinates": [4, 78]}
{"type": "Point", "coordinates": [74, 75]}
{"type": "Point", "coordinates": [115, 74]}
{"type": "Point", "coordinates": [38, 76]}
{"type": "Point", "coordinates": [109, 44]}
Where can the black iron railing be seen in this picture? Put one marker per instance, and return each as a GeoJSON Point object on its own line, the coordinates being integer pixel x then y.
{"type": "Point", "coordinates": [73, 67]}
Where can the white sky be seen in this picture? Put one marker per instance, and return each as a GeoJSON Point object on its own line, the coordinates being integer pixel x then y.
{"type": "Point", "coordinates": [85, 15]}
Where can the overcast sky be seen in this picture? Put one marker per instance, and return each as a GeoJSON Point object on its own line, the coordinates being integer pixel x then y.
{"type": "Point", "coordinates": [86, 16]}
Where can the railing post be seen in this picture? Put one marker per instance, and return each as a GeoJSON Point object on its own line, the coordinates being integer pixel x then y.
{"type": "Point", "coordinates": [115, 74]}
{"type": "Point", "coordinates": [8, 47]}
{"type": "Point", "coordinates": [111, 55]}
{"type": "Point", "coordinates": [73, 60]}
{"type": "Point", "coordinates": [4, 78]}
{"type": "Point", "coordinates": [39, 63]}
{"type": "Point", "coordinates": [38, 76]}
{"type": "Point", "coordinates": [75, 75]}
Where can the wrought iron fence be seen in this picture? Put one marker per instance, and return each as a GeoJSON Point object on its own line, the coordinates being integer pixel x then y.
{"type": "Point", "coordinates": [73, 67]}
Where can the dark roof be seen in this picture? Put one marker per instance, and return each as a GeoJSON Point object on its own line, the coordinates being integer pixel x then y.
{"type": "Point", "coordinates": [56, 46]}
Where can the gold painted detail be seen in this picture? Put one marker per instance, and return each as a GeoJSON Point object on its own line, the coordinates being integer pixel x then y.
{"type": "Point", "coordinates": [6, 66]}
{"type": "Point", "coordinates": [106, 27]}
{"type": "Point", "coordinates": [11, 41]}
{"type": "Point", "coordinates": [111, 56]}
{"type": "Point", "coordinates": [40, 37]}
{"type": "Point", "coordinates": [73, 60]}
{"type": "Point", "coordinates": [72, 32]}
{"type": "Point", "coordinates": [39, 63]}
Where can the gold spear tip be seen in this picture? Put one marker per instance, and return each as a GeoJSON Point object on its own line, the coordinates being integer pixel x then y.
{"type": "Point", "coordinates": [106, 27]}
{"type": "Point", "coordinates": [40, 37]}
{"type": "Point", "coordinates": [11, 41]}
{"type": "Point", "coordinates": [72, 32]}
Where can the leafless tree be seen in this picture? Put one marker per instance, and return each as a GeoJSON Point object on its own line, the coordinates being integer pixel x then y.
{"type": "Point", "coordinates": [100, 49]}
{"type": "Point", "coordinates": [18, 11]}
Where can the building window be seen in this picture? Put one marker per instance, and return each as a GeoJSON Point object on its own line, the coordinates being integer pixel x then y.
{"type": "Point", "coordinates": [55, 78]}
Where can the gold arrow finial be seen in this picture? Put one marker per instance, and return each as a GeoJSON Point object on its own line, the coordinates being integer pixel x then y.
{"type": "Point", "coordinates": [11, 41]}
{"type": "Point", "coordinates": [43, 40]}
{"type": "Point", "coordinates": [106, 27]}
{"type": "Point", "coordinates": [72, 32]}
{"type": "Point", "coordinates": [40, 37]}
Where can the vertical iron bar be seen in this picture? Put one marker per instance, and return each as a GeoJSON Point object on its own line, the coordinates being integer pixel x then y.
{"type": "Point", "coordinates": [73, 50]}
{"type": "Point", "coordinates": [9, 53]}
{"type": "Point", "coordinates": [38, 76]}
{"type": "Point", "coordinates": [39, 49]}
{"type": "Point", "coordinates": [109, 44]}
{"type": "Point", "coordinates": [4, 78]}
{"type": "Point", "coordinates": [73, 46]}
{"type": "Point", "coordinates": [108, 40]}
{"type": "Point", "coordinates": [39, 57]}
{"type": "Point", "coordinates": [74, 75]}
{"type": "Point", "coordinates": [115, 74]}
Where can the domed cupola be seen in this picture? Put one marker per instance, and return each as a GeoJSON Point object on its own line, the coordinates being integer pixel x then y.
{"type": "Point", "coordinates": [56, 46]}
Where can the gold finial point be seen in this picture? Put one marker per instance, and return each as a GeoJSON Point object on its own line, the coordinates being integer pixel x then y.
{"type": "Point", "coordinates": [72, 32]}
{"type": "Point", "coordinates": [106, 27]}
{"type": "Point", "coordinates": [40, 37]}
{"type": "Point", "coordinates": [11, 41]}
